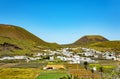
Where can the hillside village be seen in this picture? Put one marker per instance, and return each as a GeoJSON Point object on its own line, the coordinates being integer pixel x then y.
{"type": "Point", "coordinates": [89, 55]}
{"type": "Point", "coordinates": [19, 45]}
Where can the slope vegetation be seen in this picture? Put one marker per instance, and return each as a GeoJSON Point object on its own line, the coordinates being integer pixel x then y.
{"type": "Point", "coordinates": [112, 46]}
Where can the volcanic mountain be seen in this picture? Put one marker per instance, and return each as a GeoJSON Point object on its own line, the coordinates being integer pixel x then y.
{"type": "Point", "coordinates": [14, 36]}
{"type": "Point", "coordinates": [90, 39]}
{"type": "Point", "coordinates": [18, 33]}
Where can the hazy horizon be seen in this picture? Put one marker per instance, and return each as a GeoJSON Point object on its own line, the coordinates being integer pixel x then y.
{"type": "Point", "coordinates": [63, 21]}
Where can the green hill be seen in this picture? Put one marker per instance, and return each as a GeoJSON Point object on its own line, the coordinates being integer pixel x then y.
{"type": "Point", "coordinates": [89, 39]}
{"type": "Point", "coordinates": [112, 46]}
{"type": "Point", "coordinates": [108, 44]}
{"type": "Point", "coordinates": [21, 38]}
{"type": "Point", "coordinates": [97, 42]}
{"type": "Point", "coordinates": [18, 33]}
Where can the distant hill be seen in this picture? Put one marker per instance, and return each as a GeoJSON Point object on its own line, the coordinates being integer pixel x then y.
{"type": "Point", "coordinates": [97, 42]}
{"type": "Point", "coordinates": [111, 46]}
{"type": "Point", "coordinates": [107, 44]}
{"type": "Point", "coordinates": [89, 39]}
{"type": "Point", "coordinates": [21, 38]}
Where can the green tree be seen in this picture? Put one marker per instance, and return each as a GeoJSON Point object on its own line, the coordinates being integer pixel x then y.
{"type": "Point", "coordinates": [86, 65]}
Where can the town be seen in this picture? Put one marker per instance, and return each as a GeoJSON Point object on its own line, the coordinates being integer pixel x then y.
{"type": "Point", "coordinates": [65, 54]}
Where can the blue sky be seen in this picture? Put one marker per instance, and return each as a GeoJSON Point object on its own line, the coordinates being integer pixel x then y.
{"type": "Point", "coordinates": [63, 21]}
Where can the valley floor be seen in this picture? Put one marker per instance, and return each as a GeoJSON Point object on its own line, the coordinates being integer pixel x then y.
{"type": "Point", "coordinates": [35, 70]}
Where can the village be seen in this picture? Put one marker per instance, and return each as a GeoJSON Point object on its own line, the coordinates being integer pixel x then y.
{"type": "Point", "coordinates": [64, 54]}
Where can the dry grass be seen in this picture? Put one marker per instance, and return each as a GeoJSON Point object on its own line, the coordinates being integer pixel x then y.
{"type": "Point", "coordinates": [18, 73]}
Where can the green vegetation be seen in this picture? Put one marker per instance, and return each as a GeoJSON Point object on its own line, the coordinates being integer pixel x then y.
{"type": "Point", "coordinates": [112, 46]}
{"type": "Point", "coordinates": [95, 65]}
{"type": "Point", "coordinates": [99, 65]}
{"type": "Point", "coordinates": [105, 68]}
{"type": "Point", "coordinates": [52, 74]}
{"type": "Point", "coordinates": [86, 64]}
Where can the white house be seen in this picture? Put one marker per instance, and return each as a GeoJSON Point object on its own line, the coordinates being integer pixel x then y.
{"type": "Point", "coordinates": [19, 57]}
{"type": "Point", "coordinates": [52, 58]}
{"type": "Point", "coordinates": [118, 58]}
{"type": "Point", "coordinates": [109, 55]}
{"type": "Point", "coordinates": [89, 53]}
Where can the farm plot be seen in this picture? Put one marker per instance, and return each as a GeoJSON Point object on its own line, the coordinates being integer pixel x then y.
{"type": "Point", "coordinates": [108, 62]}
{"type": "Point", "coordinates": [30, 65]}
{"type": "Point", "coordinates": [18, 73]}
{"type": "Point", "coordinates": [52, 74]}
{"type": "Point", "coordinates": [55, 71]}
{"type": "Point", "coordinates": [106, 68]}
{"type": "Point", "coordinates": [80, 71]}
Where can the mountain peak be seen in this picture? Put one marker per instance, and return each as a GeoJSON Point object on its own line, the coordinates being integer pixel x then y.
{"type": "Point", "coordinates": [88, 39]}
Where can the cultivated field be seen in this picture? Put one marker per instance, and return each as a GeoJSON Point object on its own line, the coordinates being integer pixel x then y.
{"type": "Point", "coordinates": [19, 73]}
{"type": "Point", "coordinates": [52, 74]}
{"type": "Point", "coordinates": [34, 70]}
{"type": "Point", "coordinates": [79, 71]}
{"type": "Point", "coordinates": [20, 70]}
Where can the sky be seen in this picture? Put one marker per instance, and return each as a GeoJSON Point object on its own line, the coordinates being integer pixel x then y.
{"type": "Point", "coordinates": [63, 21]}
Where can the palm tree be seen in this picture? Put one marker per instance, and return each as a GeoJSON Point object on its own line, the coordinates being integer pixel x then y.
{"type": "Point", "coordinates": [85, 64]}
{"type": "Point", "coordinates": [101, 70]}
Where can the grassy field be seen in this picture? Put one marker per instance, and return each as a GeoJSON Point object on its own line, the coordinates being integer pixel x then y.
{"type": "Point", "coordinates": [52, 74]}
{"type": "Point", "coordinates": [20, 70]}
{"type": "Point", "coordinates": [18, 73]}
